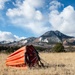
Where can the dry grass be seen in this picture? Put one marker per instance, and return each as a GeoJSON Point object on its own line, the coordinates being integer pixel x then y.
{"type": "Point", "coordinates": [60, 64]}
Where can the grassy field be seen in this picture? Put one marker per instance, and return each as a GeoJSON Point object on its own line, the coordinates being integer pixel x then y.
{"type": "Point", "coordinates": [59, 64]}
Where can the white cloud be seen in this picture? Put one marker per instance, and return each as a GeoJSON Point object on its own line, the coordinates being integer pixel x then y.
{"type": "Point", "coordinates": [2, 2]}
{"type": "Point", "coordinates": [64, 20]}
{"type": "Point", "coordinates": [39, 28]}
{"type": "Point", "coordinates": [26, 16]}
{"type": "Point", "coordinates": [55, 5]}
{"type": "Point", "coordinates": [36, 3]}
{"type": "Point", "coordinates": [8, 36]}
{"type": "Point", "coordinates": [38, 16]}
{"type": "Point", "coordinates": [27, 9]}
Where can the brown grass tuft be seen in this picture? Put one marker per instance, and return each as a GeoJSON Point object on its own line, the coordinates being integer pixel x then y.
{"type": "Point", "coordinates": [59, 64]}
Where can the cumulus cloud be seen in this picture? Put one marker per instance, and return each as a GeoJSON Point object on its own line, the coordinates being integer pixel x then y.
{"type": "Point", "coordinates": [2, 2]}
{"type": "Point", "coordinates": [27, 9]}
{"type": "Point", "coordinates": [36, 3]}
{"type": "Point", "coordinates": [55, 5]}
{"type": "Point", "coordinates": [39, 28]}
{"type": "Point", "coordinates": [8, 36]}
{"type": "Point", "coordinates": [64, 20]}
{"type": "Point", "coordinates": [27, 16]}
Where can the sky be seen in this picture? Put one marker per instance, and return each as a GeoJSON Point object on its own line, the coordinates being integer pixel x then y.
{"type": "Point", "coordinates": [20, 19]}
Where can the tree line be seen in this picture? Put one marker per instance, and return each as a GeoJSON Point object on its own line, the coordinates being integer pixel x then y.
{"type": "Point", "coordinates": [57, 48]}
{"type": "Point", "coordinates": [8, 49]}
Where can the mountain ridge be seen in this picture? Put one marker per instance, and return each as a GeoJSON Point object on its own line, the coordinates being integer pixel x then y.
{"type": "Point", "coordinates": [49, 37]}
{"type": "Point", "coordinates": [54, 36]}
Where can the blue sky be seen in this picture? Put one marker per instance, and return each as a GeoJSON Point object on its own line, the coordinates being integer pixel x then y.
{"type": "Point", "coordinates": [26, 18]}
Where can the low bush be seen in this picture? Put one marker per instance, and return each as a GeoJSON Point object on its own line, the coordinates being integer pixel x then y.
{"type": "Point", "coordinates": [58, 48]}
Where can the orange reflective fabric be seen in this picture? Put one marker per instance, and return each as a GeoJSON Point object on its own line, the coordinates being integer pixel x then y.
{"type": "Point", "coordinates": [17, 58]}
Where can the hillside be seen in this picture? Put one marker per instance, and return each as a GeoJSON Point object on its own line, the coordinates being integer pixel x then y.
{"type": "Point", "coordinates": [48, 38]}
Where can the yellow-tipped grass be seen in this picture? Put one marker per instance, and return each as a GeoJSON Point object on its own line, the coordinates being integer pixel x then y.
{"type": "Point", "coordinates": [59, 64]}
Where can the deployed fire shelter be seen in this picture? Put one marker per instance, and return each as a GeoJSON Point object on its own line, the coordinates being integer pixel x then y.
{"type": "Point", "coordinates": [26, 56]}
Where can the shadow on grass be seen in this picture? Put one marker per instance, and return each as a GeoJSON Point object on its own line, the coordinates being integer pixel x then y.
{"type": "Point", "coordinates": [45, 66]}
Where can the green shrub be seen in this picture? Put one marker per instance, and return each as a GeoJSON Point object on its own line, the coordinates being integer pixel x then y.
{"type": "Point", "coordinates": [58, 48]}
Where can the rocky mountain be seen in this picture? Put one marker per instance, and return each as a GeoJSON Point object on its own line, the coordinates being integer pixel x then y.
{"type": "Point", "coordinates": [69, 42]}
{"type": "Point", "coordinates": [50, 37]}
{"type": "Point", "coordinates": [56, 33]}
{"type": "Point", "coordinates": [18, 43]}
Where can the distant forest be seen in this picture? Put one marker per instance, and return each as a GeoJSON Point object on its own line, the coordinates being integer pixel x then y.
{"type": "Point", "coordinates": [8, 49]}
{"type": "Point", "coordinates": [57, 48]}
